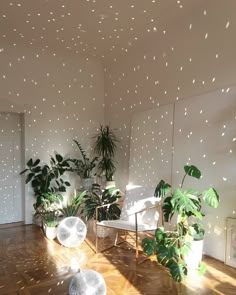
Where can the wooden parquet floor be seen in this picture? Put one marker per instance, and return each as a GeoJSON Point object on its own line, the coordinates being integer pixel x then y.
{"type": "Point", "coordinates": [31, 264]}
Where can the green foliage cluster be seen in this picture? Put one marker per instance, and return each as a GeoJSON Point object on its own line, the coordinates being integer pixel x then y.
{"type": "Point", "coordinates": [50, 219]}
{"type": "Point", "coordinates": [71, 209]}
{"type": "Point", "coordinates": [83, 167]}
{"type": "Point", "coordinates": [105, 148]}
{"type": "Point", "coordinates": [89, 200]}
{"type": "Point", "coordinates": [171, 247]}
{"type": "Point", "coordinates": [46, 181]}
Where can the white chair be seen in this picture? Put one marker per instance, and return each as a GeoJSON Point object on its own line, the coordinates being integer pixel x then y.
{"type": "Point", "coordinates": [141, 212]}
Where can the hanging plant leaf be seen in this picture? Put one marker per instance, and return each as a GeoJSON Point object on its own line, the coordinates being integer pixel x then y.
{"type": "Point", "coordinates": [211, 197]}
{"type": "Point", "coordinates": [192, 171]}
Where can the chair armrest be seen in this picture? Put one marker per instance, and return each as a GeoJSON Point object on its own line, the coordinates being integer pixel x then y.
{"type": "Point", "coordinates": [140, 211]}
{"type": "Point", "coordinates": [146, 209]}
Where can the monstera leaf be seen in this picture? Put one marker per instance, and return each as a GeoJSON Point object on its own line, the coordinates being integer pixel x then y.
{"type": "Point", "coordinates": [149, 246]}
{"type": "Point", "coordinates": [192, 171]}
{"type": "Point", "coordinates": [211, 197]}
{"type": "Point", "coordinates": [178, 270]}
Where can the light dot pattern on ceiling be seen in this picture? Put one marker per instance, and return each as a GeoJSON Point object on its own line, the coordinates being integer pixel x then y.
{"type": "Point", "coordinates": [94, 28]}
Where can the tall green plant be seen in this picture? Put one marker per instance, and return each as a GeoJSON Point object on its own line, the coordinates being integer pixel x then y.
{"type": "Point", "coordinates": [171, 247]}
{"type": "Point", "coordinates": [85, 166]}
{"type": "Point", "coordinates": [46, 180]}
{"type": "Point", "coordinates": [105, 148]}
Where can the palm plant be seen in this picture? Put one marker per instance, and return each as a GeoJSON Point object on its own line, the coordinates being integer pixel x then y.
{"type": "Point", "coordinates": [171, 247]}
{"type": "Point", "coordinates": [105, 148]}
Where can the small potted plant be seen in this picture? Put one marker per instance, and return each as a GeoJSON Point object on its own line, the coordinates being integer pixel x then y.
{"type": "Point", "coordinates": [105, 148]}
{"type": "Point", "coordinates": [50, 224]}
{"type": "Point", "coordinates": [172, 248]}
{"type": "Point", "coordinates": [84, 167]}
{"type": "Point", "coordinates": [90, 200]}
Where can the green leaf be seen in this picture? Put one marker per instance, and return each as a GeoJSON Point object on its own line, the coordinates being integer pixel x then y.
{"type": "Point", "coordinates": [201, 269]}
{"type": "Point", "coordinates": [192, 171]}
{"type": "Point", "coordinates": [149, 246]}
{"type": "Point", "coordinates": [162, 189]}
{"type": "Point", "coordinates": [178, 270]}
{"type": "Point", "coordinates": [59, 158]}
{"type": "Point", "coordinates": [160, 234]}
{"type": "Point", "coordinates": [30, 163]}
{"type": "Point", "coordinates": [45, 170]}
{"type": "Point", "coordinates": [36, 163]}
{"type": "Point", "coordinates": [29, 177]}
{"type": "Point", "coordinates": [67, 183]}
{"type": "Point", "coordinates": [211, 197]}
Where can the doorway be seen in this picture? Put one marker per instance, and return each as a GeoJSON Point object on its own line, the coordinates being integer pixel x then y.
{"type": "Point", "coordinates": [11, 159]}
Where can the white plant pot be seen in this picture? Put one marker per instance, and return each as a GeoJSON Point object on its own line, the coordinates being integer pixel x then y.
{"type": "Point", "coordinates": [111, 183]}
{"type": "Point", "coordinates": [102, 231]}
{"type": "Point", "coordinates": [50, 232]}
{"type": "Point", "coordinates": [195, 255]}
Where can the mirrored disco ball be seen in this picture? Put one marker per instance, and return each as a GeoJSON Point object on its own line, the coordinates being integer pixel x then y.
{"type": "Point", "coordinates": [87, 282]}
{"type": "Point", "coordinates": [71, 232]}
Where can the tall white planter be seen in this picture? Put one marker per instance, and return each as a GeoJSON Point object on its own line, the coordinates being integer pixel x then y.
{"type": "Point", "coordinates": [195, 255]}
{"type": "Point", "coordinates": [102, 231]}
{"type": "Point", "coordinates": [50, 232]}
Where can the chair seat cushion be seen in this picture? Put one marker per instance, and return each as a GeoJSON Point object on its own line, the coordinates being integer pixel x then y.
{"type": "Point", "coordinates": [127, 225]}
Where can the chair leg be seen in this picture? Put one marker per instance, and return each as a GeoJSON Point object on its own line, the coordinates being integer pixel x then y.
{"type": "Point", "coordinates": [96, 240]}
{"type": "Point", "coordinates": [136, 238]}
{"type": "Point", "coordinates": [115, 244]}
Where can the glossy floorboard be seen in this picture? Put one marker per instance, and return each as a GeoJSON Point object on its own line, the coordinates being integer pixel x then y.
{"type": "Point", "coordinates": [31, 264]}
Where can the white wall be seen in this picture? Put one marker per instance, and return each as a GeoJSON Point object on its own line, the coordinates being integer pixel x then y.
{"type": "Point", "coordinates": [193, 57]}
{"type": "Point", "coordinates": [62, 98]}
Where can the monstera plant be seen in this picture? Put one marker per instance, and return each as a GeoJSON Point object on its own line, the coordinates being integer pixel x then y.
{"type": "Point", "coordinates": [172, 247]}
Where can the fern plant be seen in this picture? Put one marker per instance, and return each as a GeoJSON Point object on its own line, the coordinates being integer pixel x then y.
{"type": "Point", "coordinates": [83, 167]}
{"type": "Point", "coordinates": [171, 247]}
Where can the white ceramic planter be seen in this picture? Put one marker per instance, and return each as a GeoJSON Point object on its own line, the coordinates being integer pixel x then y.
{"type": "Point", "coordinates": [110, 184]}
{"type": "Point", "coordinates": [195, 255]}
{"type": "Point", "coordinates": [102, 231]}
{"type": "Point", "coordinates": [50, 232]}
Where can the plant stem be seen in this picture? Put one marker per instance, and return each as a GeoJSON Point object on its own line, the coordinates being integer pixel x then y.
{"type": "Point", "coordinates": [183, 180]}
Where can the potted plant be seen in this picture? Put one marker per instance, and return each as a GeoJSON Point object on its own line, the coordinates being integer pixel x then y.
{"type": "Point", "coordinates": [47, 182]}
{"type": "Point", "coordinates": [105, 148]}
{"type": "Point", "coordinates": [84, 167]}
{"type": "Point", "coordinates": [90, 200]}
{"type": "Point", "coordinates": [50, 224]}
{"type": "Point", "coordinates": [172, 248]}
{"type": "Point", "coordinates": [71, 209]}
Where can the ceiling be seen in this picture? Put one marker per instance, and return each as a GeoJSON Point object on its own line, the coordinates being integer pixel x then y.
{"type": "Point", "coordinates": [100, 28]}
